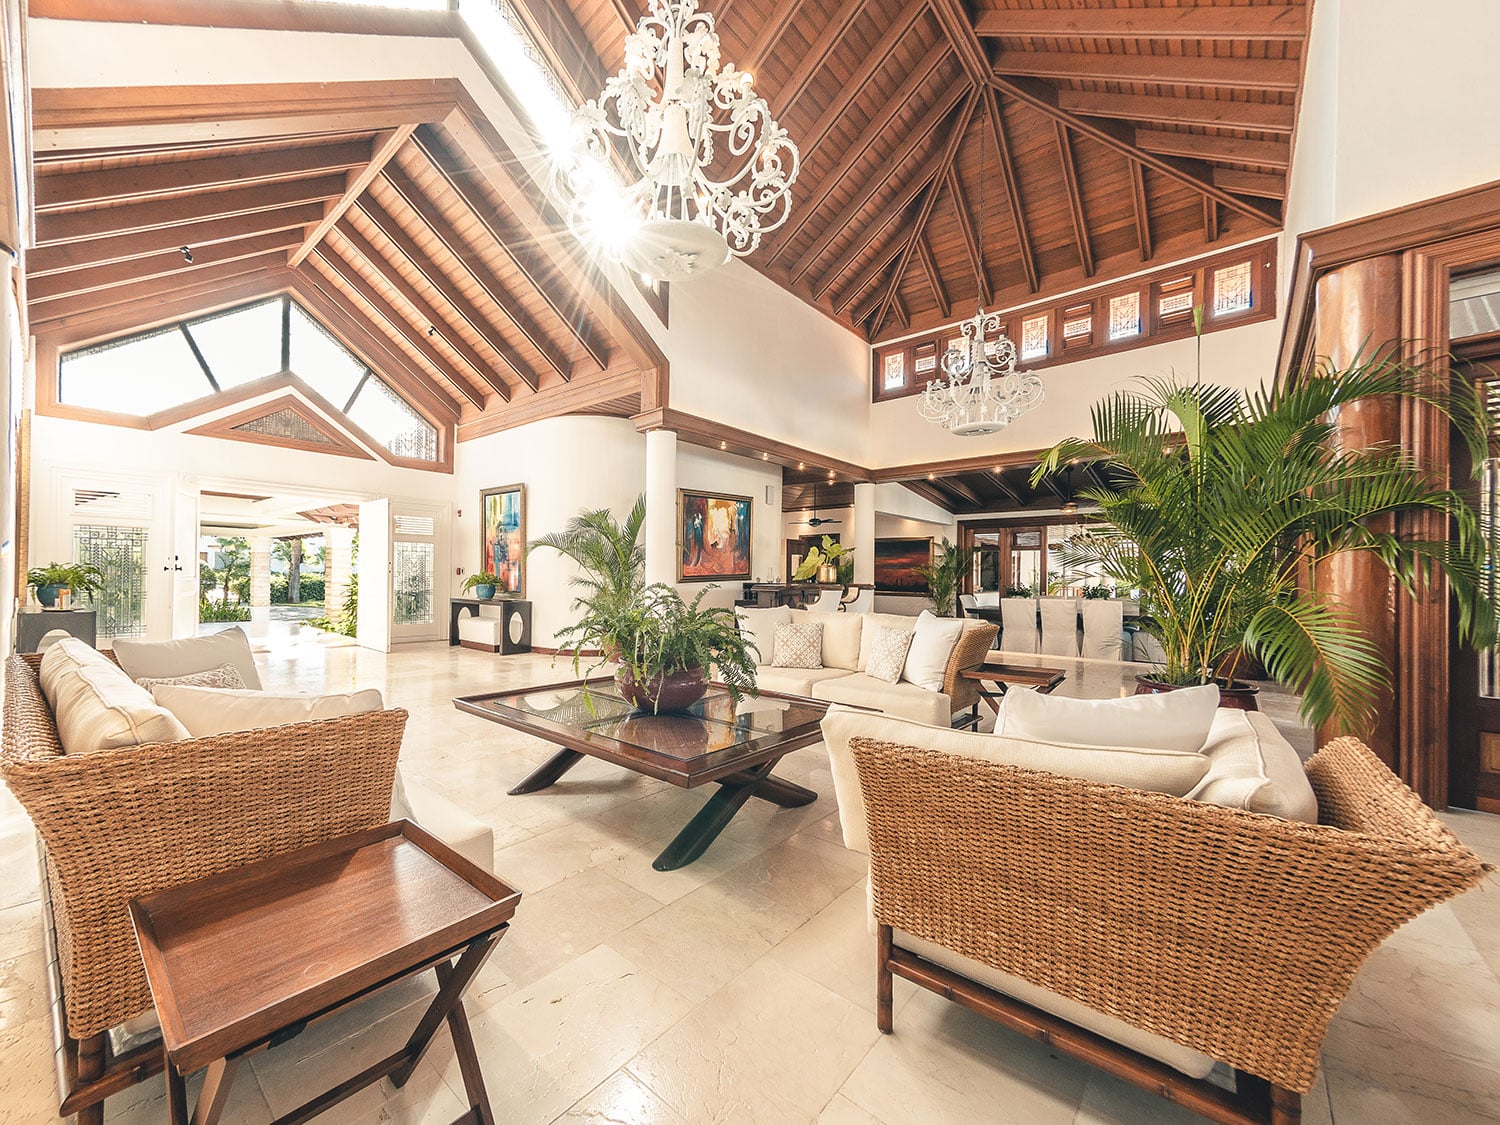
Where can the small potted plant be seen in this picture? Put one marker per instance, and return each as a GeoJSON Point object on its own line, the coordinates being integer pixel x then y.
{"type": "Point", "coordinates": [81, 578]}
{"type": "Point", "coordinates": [827, 565]}
{"type": "Point", "coordinates": [483, 585]}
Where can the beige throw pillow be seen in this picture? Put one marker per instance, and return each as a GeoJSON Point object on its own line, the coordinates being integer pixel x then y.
{"type": "Point", "coordinates": [931, 645]}
{"type": "Point", "coordinates": [799, 645]}
{"type": "Point", "coordinates": [1173, 720]}
{"type": "Point", "coordinates": [158, 660]}
{"type": "Point", "coordinates": [758, 627]}
{"type": "Point", "coordinates": [1252, 767]}
{"type": "Point", "coordinates": [888, 649]}
{"type": "Point", "coordinates": [207, 711]}
{"type": "Point", "coordinates": [96, 706]}
{"type": "Point", "coordinates": [841, 636]}
{"type": "Point", "coordinates": [224, 676]}
{"type": "Point", "coordinates": [867, 634]}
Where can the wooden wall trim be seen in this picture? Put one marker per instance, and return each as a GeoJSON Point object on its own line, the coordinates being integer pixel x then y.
{"type": "Point", "coordinates": [338, 444]}
{"type": "Point", "coordinates": [551, 402]}
{"type": "Point", "coordinates": [708, 434]}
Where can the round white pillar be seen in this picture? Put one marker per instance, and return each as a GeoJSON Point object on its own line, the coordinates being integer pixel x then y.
{"type": "Point", "coordinates": [864, 534]}
{"type": "Point", "coordinates": [661, 506]}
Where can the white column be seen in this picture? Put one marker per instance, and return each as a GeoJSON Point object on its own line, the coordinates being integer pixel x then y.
{"type": "Point", "coordinates": [338, 567]}
{"type": "Point", "coordinates": [260, 578]}
{"type": "Point", "coordinates": [661, 506]}
{"type": "Point", "coordinates": [864, 534]}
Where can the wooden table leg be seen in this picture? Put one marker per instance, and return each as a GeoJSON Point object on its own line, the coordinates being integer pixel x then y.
{"type": "Point", "coordinates": [778, 791]}
{"type": "Point", "coordinates": [721, 808]}
{"type": "Point", "coordinates": [468, 1061]}
{"type": "Point", "coordinates": [548, 772]}
{"type": "Point", "coordinates": [215, 1093]}
{"type": "Point", "coordinates": [452, 980]}
{"type": "Point", "coordinates": [177, 1111]}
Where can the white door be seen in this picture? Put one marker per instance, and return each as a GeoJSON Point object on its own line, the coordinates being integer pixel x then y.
{"type": "Point", "coordinates": [419, 537]}
{"type": "Point", "coordinates": [120, 524]}
{"type": "Point", "coordinates": [373, 625]}
{"type": "Point", "coordinates": [183, 565]}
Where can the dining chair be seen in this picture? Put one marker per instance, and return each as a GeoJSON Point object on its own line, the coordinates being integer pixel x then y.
{"type": "Point", "coordinates": [1060, 626]}
{"type": "Point", "coordinates": [1018, 625]}
{"type": "Point", "coordinates": [827, 602]}
{"type": "Point", "coordinates": [1103, 628]}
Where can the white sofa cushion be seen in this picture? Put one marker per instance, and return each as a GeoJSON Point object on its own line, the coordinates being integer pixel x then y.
{"type": "Point", "coordinates": [932, 644]}
{"type": "Point", "coordinates": [480, 630]}
{"type": "Point", "coordinates": [758, 627]}
{"type": "Point", "coordinates": [1174, 720]}
{"type": "Point", "coordinates": [794, 681]}
{"type": "Point", "coordinates": [799, 644]}
{"type": "Point", "coordinates": [867, 632]}
{"type": "Point", "coordinates": [97, 706]}
{"type": "Point", "coordinates": [841, 637]}
{"type": "Point", "coordinates": [208, 711]}
{"type": "Point", "coordinates": [159, 660]}
{"type": "Point", "coordinates": [908, 701]}
{"type": "Point", "coordinates": [888, 649]}
{"type": "Point", "coordinates": [1175, 772]}
{"type": "Point", "coordinates": [468, 836]}
{"type": "Point", "coordinates": [1252, 767]}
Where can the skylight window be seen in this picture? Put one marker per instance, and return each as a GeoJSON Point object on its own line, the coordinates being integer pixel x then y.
{"type": "Point", "coordinates": [152, 371]}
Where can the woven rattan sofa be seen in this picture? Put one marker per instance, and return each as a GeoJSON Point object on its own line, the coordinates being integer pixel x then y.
{"type": "Point", "coordinates": [1227, 933]}
{"type": "Point", "coordinates": [121, 823]}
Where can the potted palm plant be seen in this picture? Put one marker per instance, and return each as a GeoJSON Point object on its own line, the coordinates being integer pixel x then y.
{"type": "Point", "coordinates": [944, 575]}
{"type": "Point", "coordinates": [81, 578]}
{"type": "Point", "coordinates": [482, 584]}
{"type": "Point", "coordinates": [611, 562]}
{"type": "Point", "coordinates": [669, 645]}
{"type": "Point", "coordinates": [1227, 501]}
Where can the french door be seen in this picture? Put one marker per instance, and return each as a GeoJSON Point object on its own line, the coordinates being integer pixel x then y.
{"type": "Point", "coordinates": [402, 560]}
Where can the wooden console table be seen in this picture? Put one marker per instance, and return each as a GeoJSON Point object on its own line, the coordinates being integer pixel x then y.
{"type": "Point", "coordinates": [245, 960]}
{"type": "Point", "coordinates": [992, 681]}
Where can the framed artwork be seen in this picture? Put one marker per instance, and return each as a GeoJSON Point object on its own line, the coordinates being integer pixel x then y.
{"type": "Point", "coordinates": [502, 535]}
{"type": "Point", "coordinates": [713, 536]}
{"type": "Point", "coordinates": [896, 562]}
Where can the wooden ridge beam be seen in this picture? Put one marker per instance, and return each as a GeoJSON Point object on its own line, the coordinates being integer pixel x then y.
{"type": "Point", "coordinates": [972, 248]}
{"type": "Point", "coordinates": [1215, 149]}
{"type": "Point", "coordinates": [994, 113]}
{"type": "Point", "coordinates": [930, 123]}
{"type": "Point", "coordinates": [1210, 220]}
{"type": "Point", "coordinates": [409, 293]}
{"type": "Point", "coordinates": [1142, 208]}
{"type": "Point", "coordinates": [465, 185]}
{"type": "Point", "coordinates": [91, 279]}
{"type": "Point", "coordinates": [817, 54]}
{"type": "Point", "coordinates": [953, 18]}
{"type": "Point", "coordinates": [1121, 138]}
{"type": "Point", "coordinates": [399, 326]}
{"type": "Point", "coordinates": [1216, 113]}
{"type": "Point", "coordinates": [1266, 185]}
{"type": "Point", "coordinates": [1163, 70]}
{"type": "Point", "coordinates": [383, 150]}
{"type": "Point", "coordinates": [871, 135]}
{"type": "Point", "coordinates": [1282, 23]}
{"type": "Point", "coordinates": [43, 260]}
{"type": "Point", "coordinates": [202, 285]}
{"type": "Point", "coordinates": [81, 189]}
{"type": "Point", "coordinates": [1075, 199]}
{"type": "Point", "coordinates": [934, 276]}
{"type": "Point", "coordinates": [160, 214]}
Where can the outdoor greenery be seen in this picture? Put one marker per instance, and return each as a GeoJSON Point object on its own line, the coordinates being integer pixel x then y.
{"type": "Point", "coordinates": [312, 590]}
{"type": "Point", "coordinates": [231, 577]}
{"type": "Point", "coordinates": [1018, 591]}
{"type": "Point", "coordinates": [1230, 501]}
{"type": "Point", "coordinates": [832, 553]}
{"type": "Point", "coordinates": [611, 562]}
{"type": "Point", "coordinates": [81, 578]}
{"type": "Point", "coordinates": [944, 575]}
{"type": "Point", "coordinates": [222, 611]}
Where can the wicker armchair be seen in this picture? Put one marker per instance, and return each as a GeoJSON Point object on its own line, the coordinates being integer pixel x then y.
{"type": "Point", "coordinates": [123, 823]}
{"type": "Point", "coordinates": [1230, 933]}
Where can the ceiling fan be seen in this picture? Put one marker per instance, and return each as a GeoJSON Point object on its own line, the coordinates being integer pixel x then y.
{"type": "Point", "coordinates": [815, 521]}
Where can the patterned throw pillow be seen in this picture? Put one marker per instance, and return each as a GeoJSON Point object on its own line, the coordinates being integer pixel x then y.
{"type": "Point", "coordinates": [888, 649]}
{"type": "Point", "coordinates": [224, 676]}
{"type": "Point", "coordinates": [798, 646]}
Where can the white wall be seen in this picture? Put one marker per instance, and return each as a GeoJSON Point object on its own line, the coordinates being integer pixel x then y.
{"type": "Point", "coordinates": [712, 471]}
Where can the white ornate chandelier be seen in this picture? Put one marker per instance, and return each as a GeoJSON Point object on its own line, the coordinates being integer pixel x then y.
{"type": "Point", "coordinates": [980, 390]}
{"type": "Point", "coordinates": [716, 169]}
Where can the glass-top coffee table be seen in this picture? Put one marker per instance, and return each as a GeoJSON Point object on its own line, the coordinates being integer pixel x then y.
{"type": "Point", "coordinates": [733, 745]}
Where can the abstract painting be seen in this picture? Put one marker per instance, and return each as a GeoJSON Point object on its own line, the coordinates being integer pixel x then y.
{"type": "Point", "coordinates": [502, 532]}
{"type": "Point", "coordinates": [896, 562]}
{"type": "Point", "coordinates": [713, 532]}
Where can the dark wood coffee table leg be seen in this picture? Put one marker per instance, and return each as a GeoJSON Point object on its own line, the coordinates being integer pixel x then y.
{"type": "Point", "coordinates": [548, 772]}
{"type": "Point", "coordinates": [721, 808]}
{"type": "Point", "coordinates": [177, 1111]}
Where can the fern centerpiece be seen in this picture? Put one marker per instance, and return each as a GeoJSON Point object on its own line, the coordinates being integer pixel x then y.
{"type": "Point", "coordinates": [1227, 501]}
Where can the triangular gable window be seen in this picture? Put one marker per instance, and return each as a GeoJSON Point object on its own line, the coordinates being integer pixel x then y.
{"type": "Point", "coordinates": [148, 372]}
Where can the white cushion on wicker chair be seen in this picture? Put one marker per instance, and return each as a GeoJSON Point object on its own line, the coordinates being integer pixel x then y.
{"type": "Point", "coordinates": [1252, 767]}
{"type": "Point", "coordinates": [208, 711]}
{"type": "Point", "coordinates": [159, 660]}
{"type": "Point", "coordinates": [97, 706]}
{"type": "Point", "coordinates": [467, 835]}
{"type": "Point", "coordinates": [1173, 720]}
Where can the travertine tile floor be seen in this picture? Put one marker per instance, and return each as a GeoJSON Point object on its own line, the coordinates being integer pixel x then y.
{"type": "Point", "coordinates": [739, 989]}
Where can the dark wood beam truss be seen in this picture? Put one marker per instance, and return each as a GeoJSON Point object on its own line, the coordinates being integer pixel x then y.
{"type": "Point", "coordinates": [1075, 199]}
{"type": "Point", "coordinates": [995, 115]}
{"type": "Point", "coordinates": [972, 248]}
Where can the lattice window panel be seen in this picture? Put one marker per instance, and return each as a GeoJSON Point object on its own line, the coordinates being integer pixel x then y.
{"type": "Point", "coordinates": [1174, 299]}
{"type": "Point", "coordinates": [1078, 326]}
{"type": "Point", "coordinates": [120, 552]}
{"type": "Point", "coordinates": [926, 359]}
{"type": "Point", "coordinates": [1232, 290]}
{"type": "Point", "coordinates": [1124, 316]}
{"type": "Point", "coordinates": [893, 376]}
{"type": "Point", "coordinates": [286, 423]}
{"type": "Point", "coordinates": [1034, 337]}
{"type": "Point", "coordinates": [413, 566]}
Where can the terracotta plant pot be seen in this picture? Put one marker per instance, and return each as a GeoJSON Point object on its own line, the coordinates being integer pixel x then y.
{"type": "Point", "coordinates": [1239, 695]}
{"type": "Point", "coordinates": [673, 692]}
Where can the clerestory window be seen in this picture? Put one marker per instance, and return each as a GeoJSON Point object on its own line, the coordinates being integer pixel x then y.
{"type": "Point", "coordinates": [147, 372]}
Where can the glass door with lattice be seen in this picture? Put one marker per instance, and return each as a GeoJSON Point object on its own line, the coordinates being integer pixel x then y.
{"type": "Point", "coordinates": [117, 526]}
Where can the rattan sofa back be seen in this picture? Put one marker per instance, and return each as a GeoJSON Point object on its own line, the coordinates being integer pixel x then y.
{"type": "Point", "coordinates": [123, 823]}
{"type": "Point", "coordinates": [1235, 934]}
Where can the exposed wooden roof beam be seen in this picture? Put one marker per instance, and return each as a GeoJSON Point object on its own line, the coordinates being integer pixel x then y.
{"type": "Point", "coordinates": [1165, 70]}
{"type": "Point", "coordinates": [874, 269]}
{"type": "Point", "coordinates": [817, 54]}
{"type": "Point", "coordinates": [42, 260]}
{"type": "Point", "coordinates": [972, 248]}
{"type": "Point", "coordinates": [934, 277]}
{"type": "Point", "coordinates": [871, 135]}
{"type": "Point", "coordinates": [409, 293]}
{"type": "Point", "coordinates": [158, 214]}
{"type": "Point", "coordinates": [398, 325]}
{"type": "Point", "coordinates": [898, 309]}
{"type": "Point", "coordinates": [1266, 185]}
{"type": "Point", "coordinates": [933, 495]}
{"type": "Point", "coordinates": [958, 29]}
{"type": "Point", "coordinates": [1075, 199]}
{"type": "Point", "coordinates": [1210, 220]}
{"type": "Point", "coordinates": [465, 185]}
{"type": "Point", "coordinates": [1121, 138]}
{"type": "Point", "coordinates": [929, 124]}
{"type": "Point", "coordinates": [770, 30]}
{"type": "Point", "coordinates": [141, 298]}
{"type": "Point", "coordinates": [1142, 208]}
{"type": "Point", "coordinates": [999, 481]}
{"type": "Point", "coordinates": [93, 322]}
{"type": "Point", "coordinates": [79, 189]}
{"type": "Point", "coordinates": [995, 115]}
{"type": "Point", "coordinates": [1221, 150]}
{"type": "Point", "coordinates": [1284, 23]}
{"type": "Point", "coordinates": [1267, 117]}
{"type": "Point", "coordinates": [958, 486]}
{"type": "Point", "coordinates": [90, 279]}
{"type": "Point", "coordinates": [383, 149]}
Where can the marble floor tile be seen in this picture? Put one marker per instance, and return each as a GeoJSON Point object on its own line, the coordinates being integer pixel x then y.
{"type": "Point", "coordinates": [621, 1099]}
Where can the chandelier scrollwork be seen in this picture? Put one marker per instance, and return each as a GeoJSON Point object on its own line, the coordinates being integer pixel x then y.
{"type": "Point", "coordinates": [715, 169]}
{"type": "Point", "coordinates": [980, 390]}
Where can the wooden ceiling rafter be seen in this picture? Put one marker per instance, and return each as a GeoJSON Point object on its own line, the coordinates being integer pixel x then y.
{"type": "Point", "coordinates": [1267, 185]}
{"type": "Point", "coordinates": [1141, 206]}
{"type": "Point", "coordinates": [816, 56]}
{"type": "Point", "coordinates": [1265, 23]}
{"type": "Point", "coordinates": [382, 151]}
{"type": "Point", "coordinates": [1206, 72]}
{"type": "Point", "coordinates": [972, 249]}
{"type": "Point", "coordinates": [57, 315]}
{"type": "Point", "coordinates": [933, 277]}
{"type": "Point", "coordinates": [771, 29]}
{"type": "Point", "coordinates": [1217, 149]}
{"type": "Point", "coordinates": [1210, 113]}
{"type": "Point", "coordinates": [995, 115]}
{"type": "Point", "coordinates": [1075, 199]}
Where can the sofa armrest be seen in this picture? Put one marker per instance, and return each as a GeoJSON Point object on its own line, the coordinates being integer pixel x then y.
{"type": "Point", "coordinates": [970, 652]}
{"type": "Point", "coordinates": [469, 836]}
{"type": "Point", "coordinates": [1232, 933]}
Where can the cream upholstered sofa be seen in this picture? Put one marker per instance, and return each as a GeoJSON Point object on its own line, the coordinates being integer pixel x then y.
{"type": "Point", "coordinates": [845, 654]}
{"type": "Point", "coordinates": [1141, 910]}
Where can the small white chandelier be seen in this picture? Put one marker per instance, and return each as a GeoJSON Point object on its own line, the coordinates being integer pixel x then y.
{"type": "Point", "coordinates": [980, 390]}
{"type": "Point", "coordinates": [694, 205]}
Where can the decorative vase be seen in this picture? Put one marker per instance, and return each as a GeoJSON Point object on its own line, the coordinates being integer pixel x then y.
{"type": "Point", "coordinates": [484, 591]}
{"type": "Point", "coordinates": [47, 595]}
{"type": "Point", "coordinates": [828, 574]}
{"type": "Point", "coordinates": [1238, 696]}
{"type": "Point", "coordinates": [672, 691]}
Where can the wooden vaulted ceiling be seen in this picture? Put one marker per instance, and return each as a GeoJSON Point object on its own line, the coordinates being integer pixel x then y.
{"type": "Point", "coordinates": [392, 212]}
{"type": "Point", "coordinates": [998, 150]}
